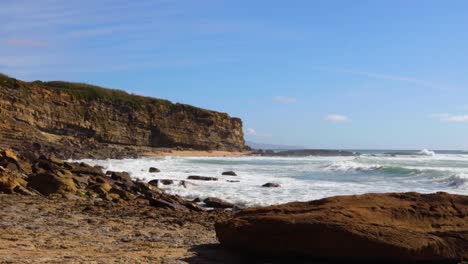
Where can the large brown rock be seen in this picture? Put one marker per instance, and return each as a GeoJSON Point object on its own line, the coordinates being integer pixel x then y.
{"type": "Point", "coordinates": [10, 181]}
{"type": "Point", "coordinates": [50, 183]}
{"type": "Point", "coordinates": [406, 227]}
{"type": "Point", "coordinates": [214, 202]}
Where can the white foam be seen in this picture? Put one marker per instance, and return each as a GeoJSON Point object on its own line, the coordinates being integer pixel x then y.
{"type": "Point", "coordinates": [426, 152]}
{"type": "Point", "coordinates": [301, 179]}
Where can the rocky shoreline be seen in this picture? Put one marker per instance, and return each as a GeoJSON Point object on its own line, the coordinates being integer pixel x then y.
{"type": "Point", "coordinates": [62, 212]}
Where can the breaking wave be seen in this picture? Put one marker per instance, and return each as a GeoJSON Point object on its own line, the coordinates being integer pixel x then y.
{"type": "Point", "coordinates": [304, 178]}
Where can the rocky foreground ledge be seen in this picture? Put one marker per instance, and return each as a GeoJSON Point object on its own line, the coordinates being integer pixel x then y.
{"type": "Point", "coordinates": [59, 212]}
{"type": "Point", "coordinates": [375, 228]}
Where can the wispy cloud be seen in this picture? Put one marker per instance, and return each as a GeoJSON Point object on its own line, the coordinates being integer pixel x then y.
{"type": "Point", "coordinates": [250, 131]}
{"type": "Point", "coordinates": [253, 133]}
{"type": "Point", "coordinates": [25, 42]}
{"type": "Point", "coordinates": [450, 117]}
{"type": "Point", "coordinates": [336, 118]}
{"type": "Point", "coordinates": [390, 77]}
{"type": "Point", "coordinates": [284, 100]}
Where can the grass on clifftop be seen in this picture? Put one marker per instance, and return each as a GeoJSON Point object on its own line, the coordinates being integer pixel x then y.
{"type": "Point", "coordinates": [89, 92]}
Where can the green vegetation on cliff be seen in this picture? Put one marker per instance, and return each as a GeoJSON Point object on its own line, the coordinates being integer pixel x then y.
{"type": "Point", "coordinates": [85, 91]}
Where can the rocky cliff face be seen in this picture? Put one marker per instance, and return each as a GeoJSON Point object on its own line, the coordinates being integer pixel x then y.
{"type": "Point", "coordinates": [83, 116]}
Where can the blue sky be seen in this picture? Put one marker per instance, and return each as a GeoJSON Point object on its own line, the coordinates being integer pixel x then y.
{"type": "Point", "coordinates": [322, 74]}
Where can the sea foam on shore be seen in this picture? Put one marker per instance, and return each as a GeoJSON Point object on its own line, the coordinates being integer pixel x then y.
{"type": "Point", "coordinates": [302, 178]}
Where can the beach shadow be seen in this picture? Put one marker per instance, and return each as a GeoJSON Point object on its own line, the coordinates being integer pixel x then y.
{"type": "Point", "coordinates": [214, 253]}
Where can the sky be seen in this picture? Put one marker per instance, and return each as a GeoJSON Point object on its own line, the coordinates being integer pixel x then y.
{"type": "Point", "coordinates": [356, 74]}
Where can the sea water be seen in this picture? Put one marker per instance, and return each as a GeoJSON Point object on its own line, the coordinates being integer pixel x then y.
{"type": "Point", "coordinates": [303, 178]}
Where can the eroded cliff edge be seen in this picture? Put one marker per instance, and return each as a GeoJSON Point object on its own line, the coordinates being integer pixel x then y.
{"type": "Point", "coordinates": [73, 119]}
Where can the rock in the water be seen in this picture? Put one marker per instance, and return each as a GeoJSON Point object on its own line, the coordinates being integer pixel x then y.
{"type": "Point", "coordinates": [161, 181]}
{"type": "Point", "coordinates": [217, 203]}
{"type": "Point", "coordinates": [202, 178]}
{"type": "Point", "coordinates": [154, 183]}
{"type": "Point", "coordinates": [229, 173]}
{"type": "Point", "coordinates": [232, 181]}
{"type": "Point", "coordinates": [166, 182]}
{"type": "Point", "coordinates": [271, 185]}
{"type": "Point", "coordinates": [154, 170]}
{"type": "Point", "coordinates": [397, 227]}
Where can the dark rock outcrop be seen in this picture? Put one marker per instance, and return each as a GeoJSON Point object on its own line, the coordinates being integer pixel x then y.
{"type": "Point", "coordinates": [271, 185]}
{"type": "Point", "coordinates": [201, 178]}
{"type": "Point", "coordinates": [119, 176]}
{"type": "Point", "coordinates": [218, 203]}
{"type": "Point", "coordinates": [397, 227]}
{"type": "Point", "coordinates": [229, 173]}
{"type": "Point", "coordinates": [80, 120]}
{"type": "Point", "coordinates": [154, 170]}
{"type": "Point", "coordinates": [53, 177]}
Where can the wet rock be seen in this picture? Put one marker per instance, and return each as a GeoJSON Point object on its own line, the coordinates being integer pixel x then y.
{"type": "Point", "coordinates": [232, 181]}
{"type": "Point", "coordinates": [196, 200]}
{"type": "Point", "coordinates": [154, 170]}
{"type": "Point", "coordinates": [183, 184]}
{"type": "Point", "coordinates": [119, 176]}
{"type": "Point", "coordinates": [154, 182]}
{"type": "Point", "coordinates": [217, 203]}
{"type": "Point", "coordinates": [166, 182]}
{"type": "Point", "coordinates": [202, 178]}
{"type": "Point", "coordinates": [161, 181]}
{"type": "Point", "coordinates": [271, 185]}
{"type": "Point", "coordinates": [229, 173]}
{"type": "Point", "coordinates": [371, 228]}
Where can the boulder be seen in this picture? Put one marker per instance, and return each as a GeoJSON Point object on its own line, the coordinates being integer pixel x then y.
{"type": "Point", "coordinates": [395, 227]}
{"type": "Point", "coordinates": [154, 170]}
{"type": "Point", "coordinates": [50, 183]}
{"type": "Point", "coordinates": [229, 173]}
{"type": "Point", "coordinates": [166, 182]}
{"type": "Point", "coordinates": [202, 178]}
{"type": "Point", "coordinates": [161, 181]}
{"type": "Point", "coordinates": [218, 203]}
{"type": "Point", "coordinates": [271, 185]}
{"type": "Point", "coordinates": [10, 182]}
{"type": "Point", "coordinates": [86, 169]}
{"type": "Point", "coordinates": [154, 182]}
{"type": "Point", "coordinates": [119, 176]}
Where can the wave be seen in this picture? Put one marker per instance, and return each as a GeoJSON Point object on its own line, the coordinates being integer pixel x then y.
{"type": "Point", "coordinates": [426, 152]}
{"type": "Point", "coordinates": [356, 167]}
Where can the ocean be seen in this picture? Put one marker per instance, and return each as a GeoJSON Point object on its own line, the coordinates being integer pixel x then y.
{"type": "Point", "coordinates": [304, 178]}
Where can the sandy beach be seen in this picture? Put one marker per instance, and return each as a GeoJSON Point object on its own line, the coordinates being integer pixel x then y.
{"type": "Point", "coordinates": [196, 153]}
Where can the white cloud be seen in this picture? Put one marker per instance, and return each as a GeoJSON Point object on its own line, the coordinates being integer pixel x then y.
{"type": "Point", "coordinates": [253, 133]}
{"type": "Point", "coordinates": [450, 117]}
{"type": "Point", "coordinates": [336, 118]}
{"type": "Point", "coordinates": [284, 99]}
{"type": "Point", "coordinates": [390, 77]}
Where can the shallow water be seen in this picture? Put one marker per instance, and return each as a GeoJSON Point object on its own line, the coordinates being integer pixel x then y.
{"type": "Point", "coordinates": [304, 178]}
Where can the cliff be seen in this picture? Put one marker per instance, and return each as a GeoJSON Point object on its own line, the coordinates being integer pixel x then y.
{"type": "Point", "coordinates": [73, 118]}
